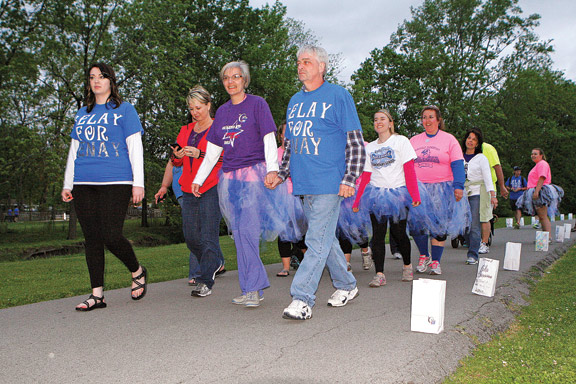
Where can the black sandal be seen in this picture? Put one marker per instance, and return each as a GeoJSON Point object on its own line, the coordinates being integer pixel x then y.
{"type": "Point", "coordinates": [139, 285]}
{"type": "Point", "coordinates": [98, 303]}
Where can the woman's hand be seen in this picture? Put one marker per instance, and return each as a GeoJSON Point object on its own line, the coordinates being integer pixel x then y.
{"type": "Point", "coordinates": [191, 152]}
{"type": "Point", "coordinates": [67, 195]}
{"type": "Point", "coordinates": [137, 195]}
{"type": "Point", "coordinates": [178, 153]}
{"type": "Point", "coordinates": [416, 203]}
{"type": "Point", "coordinates": [535, 195]}
{"type": "Point", "coordinates": [196, 190]}
{"type": "Point", "coordinates": [270, 179]}
{"type": "Point", "coordinates": [159, 196]}
{"type": "Point", "coordinates": [458, 194]}
{"type": "Point", "coordinates": [494, 202]}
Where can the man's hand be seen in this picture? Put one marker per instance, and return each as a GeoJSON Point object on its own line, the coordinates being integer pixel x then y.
{"type": "Point", "coordinates": [270, 179]}
{"type": "Point", "coordinates": [159, 196]}
{"type": "Point", "coordinates": [346, 191]}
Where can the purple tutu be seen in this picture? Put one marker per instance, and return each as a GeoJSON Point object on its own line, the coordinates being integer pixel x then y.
{"type": "Point", "coordinates": [355, 227]}
{"type": "Point", "coordinates": [395, 204]}
{"type": "Point", "coordinates": [550, 195]}
{"type": "Point", "coordinates": [446, 215]}
{"type": "Point", "coordinates": [244, 200]}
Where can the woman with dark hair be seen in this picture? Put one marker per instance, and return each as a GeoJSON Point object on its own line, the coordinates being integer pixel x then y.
{"type": "Point", "coordinates": [105, 170]}
{"type": "Point", "coordinates": [244, 130]}
{"type": "Point", "coordinates": [479, 187]}
{"type": "Point", "coordinates": [440, 169]}
{"type": "Point", "coordinates": [200, 214]}
{"type": "Point", "coordinates": [542, 198]}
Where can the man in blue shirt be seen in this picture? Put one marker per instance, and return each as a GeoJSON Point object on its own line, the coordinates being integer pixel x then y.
{"type": "Point", "coordinates": [516, 184]}
{"type": "Point", "coordinates": [324, 155]}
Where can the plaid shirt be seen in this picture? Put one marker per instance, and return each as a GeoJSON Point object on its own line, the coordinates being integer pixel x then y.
{"type": "Point", "coordinates": [355, 158]}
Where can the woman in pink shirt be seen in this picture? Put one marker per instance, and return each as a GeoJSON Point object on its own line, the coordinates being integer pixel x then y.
{"type": "Point", "coordinates": [542, 197]}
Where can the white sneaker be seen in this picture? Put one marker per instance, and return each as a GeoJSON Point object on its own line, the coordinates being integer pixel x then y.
{"type": "Point", "coordinates": [397, 255]}
{"type": "Point", "coordinates": [367, 259]}
{"type": "Point", "coordinates": [341, 297]}
{"type": "Point", "coordinates": [297, 310]}
{"type": "Point", "coordinates": [241, 300]}
{"type": "Point", "coordinates": [484, 248]}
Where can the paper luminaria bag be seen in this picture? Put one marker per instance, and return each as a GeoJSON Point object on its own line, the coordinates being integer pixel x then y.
{"type": "Point", "coordinates": [559, 234]}
{"type": "Point", "coordinates": [542, 239]}
{"type": "Point", "coordinates": [521, 221]}
{"type": "Point", "coordinates": [428, 301]}
{"type": "Point", "coordinates": [567, 230]}
{"type": "Point", "coordinates": [561, 217]}
{"type": "Point", "coordinates": [512, 256]}
{"type": "Point", "coordinates": [486, 276]}
{"type": "Point", "coordinates": [509, 222]}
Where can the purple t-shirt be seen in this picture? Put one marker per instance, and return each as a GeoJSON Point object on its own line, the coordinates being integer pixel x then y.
{"type": "Point", "coordinates": [239, 129]}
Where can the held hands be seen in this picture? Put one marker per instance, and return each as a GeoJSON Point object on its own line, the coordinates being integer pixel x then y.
{"type": "Point", "coordinates": [458, 194]}
{"type": "Point", "coordinates": [346, 191]}
{"type": "Point", "coordinates": [276, 181]}
{"type": "Point", "coordinates": [67, 195]}
{"type": "Point", "coordinates": [137, 195]}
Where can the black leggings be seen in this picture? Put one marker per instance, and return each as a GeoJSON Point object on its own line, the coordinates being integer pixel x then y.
{"type": "Point", "coordinates": [398, 230]}
{"type": "Point", "coordinates": [101, 210]}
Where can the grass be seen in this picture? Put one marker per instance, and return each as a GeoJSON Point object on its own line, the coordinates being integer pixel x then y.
{"type": "Point", "coordinates": [24, 282]}
{"type": "Point", "coordinates": [540, 346]}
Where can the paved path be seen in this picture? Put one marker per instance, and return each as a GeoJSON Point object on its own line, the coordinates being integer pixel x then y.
{"type": "Point", "coordinates": [170, 337]}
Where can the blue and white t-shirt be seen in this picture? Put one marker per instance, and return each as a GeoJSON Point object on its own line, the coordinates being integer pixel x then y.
{"type": "Point", "coordinates": [516, 182]}
{"type": "Point", "coordinates": [317, 123]}
{"type": "Point", "coordinates": [386, 161]}
{"type": "Point", "coordinates": [102, 156]}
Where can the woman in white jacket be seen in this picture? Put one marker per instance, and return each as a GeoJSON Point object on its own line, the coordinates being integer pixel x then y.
{"type": "Point", "coordinates": [478, 186]}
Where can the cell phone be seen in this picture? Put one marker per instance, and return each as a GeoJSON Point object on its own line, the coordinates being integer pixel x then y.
{"type": "Point", "coordinates": [176, 146]}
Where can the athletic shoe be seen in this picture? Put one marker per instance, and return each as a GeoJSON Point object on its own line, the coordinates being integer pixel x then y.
{"type": "Point", "coordinates": [349, 267]}
{"type": "Point", "coordinates": [484, 248]}
{"type": "Point", "coordinates": [517, 226]}
{"type": "Point", "coordinates": [407, 274]}
{"type": "Point", "coordinates": [435, 268]}
{"type": "Point", "coordinates": [397, 255]}
{"type": "Point", "coordinates": [297, 310]}
{"type": "Point", "coordinates": [252, 299]}
{"type": "Point", "coordinates": [201, 290]}
{"type": "Point", "coordinates": [378, 281]}
{"type": "Point", "coordinates": [536, 226]}
{"type": "Point", "coordinates": [341, 297]}
{"type": "Point", "coordinates": [192, 282]}
{"type": "Point", "coordinates": [220, 271]}
{"type": "Point", "coordinates": [471, 261]}
{"type": "Point", "coordinates": [240, 300]}
{"type": "Point", "coordinates": [423, 264]}
{"type": "Point", "coordinates": [367, 259]}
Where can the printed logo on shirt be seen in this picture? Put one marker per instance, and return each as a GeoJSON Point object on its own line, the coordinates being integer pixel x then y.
{"type": "Point", "coordinates": [301, 128]}
{"type": "Point", "coordinates": [232, 131]}
{"type": "Point", "coordinates": [425, 159]}
{"type": "Point", "coordinates": [93, 138]}
{"type": "Point", "coordinates": [382, 157]}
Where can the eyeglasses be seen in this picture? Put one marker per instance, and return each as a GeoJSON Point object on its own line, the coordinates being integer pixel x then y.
{"type": "Point", "coordinates": [233, 77]}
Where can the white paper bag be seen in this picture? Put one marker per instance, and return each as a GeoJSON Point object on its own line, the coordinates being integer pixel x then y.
{"type": "Point", "coordinates": [559, 234]}
{"type": "Point", "coordinates": [534, 220]}
{"type": "Point", "coordinates": [570, 216]}
{"type": "Point", "coordinates": [512, 256]}
{"type": "Point", "coordinates": [542, 239]}
{"type": "Point", "coordinates": [485, 283]}
{"type": "Point", "coordinates": [428, 299]}
{"type": "Point", "coordinates": [521, 221]}
{"type": "Point", "coordinates": [509, 222]}
{"type": "Point", "coordinates": [567, 230]}
{"type": "Point", "coordinates": [561, 217]}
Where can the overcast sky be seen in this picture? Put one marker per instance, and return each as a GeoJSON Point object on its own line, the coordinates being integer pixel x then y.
{"type": "Point", "coordinates": [355, 28]}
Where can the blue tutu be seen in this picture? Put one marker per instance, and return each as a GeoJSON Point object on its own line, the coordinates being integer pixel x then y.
{"type": "Point", "coordinates": [395, 204]}
{"type": "Point", "coordinates": [446, 216]}
{"type": "Point", "coordinates": [245, 201]}
{"type": "Point", "coordinates": [550, 196]}
{"type": "Point", "coordinates": [355, 227]}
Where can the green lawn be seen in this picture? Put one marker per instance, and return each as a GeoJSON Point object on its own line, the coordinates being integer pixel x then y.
{"type": "Point", "coordinates": [540, 347]}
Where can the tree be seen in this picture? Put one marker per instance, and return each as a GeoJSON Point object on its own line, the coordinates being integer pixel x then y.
{"type": "Point", "coordinates": [453, 53]}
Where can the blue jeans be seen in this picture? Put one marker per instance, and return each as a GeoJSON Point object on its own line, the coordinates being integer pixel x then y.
{"type": "Point", "coordinates": [323, 250]}
{"type": "Point", "coordinates": [201, 226]}
{"type": "Point", "coordinates": [193, 267]}
{"type": "Point", "coordinates": [474, 234]}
